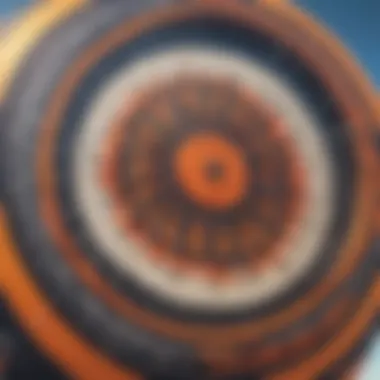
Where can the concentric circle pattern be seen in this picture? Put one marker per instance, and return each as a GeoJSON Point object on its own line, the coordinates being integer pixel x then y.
{"type": "Point", "coordinates": [269, 213]}
{"type": "Point", "coordinates": [185, 174]}
{"type": "Point", "coordinates": [193, 193]}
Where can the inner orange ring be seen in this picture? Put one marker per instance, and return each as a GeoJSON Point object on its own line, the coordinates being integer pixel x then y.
{"type": "Point", "coordinates": [212, 170]}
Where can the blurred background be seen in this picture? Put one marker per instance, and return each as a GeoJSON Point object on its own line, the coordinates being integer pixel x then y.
{"type": "Point", "coordinates": [357, 24]}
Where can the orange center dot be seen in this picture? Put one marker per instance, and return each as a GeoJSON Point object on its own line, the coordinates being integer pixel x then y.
{"type": "Point", "coordinates": [212, 170]}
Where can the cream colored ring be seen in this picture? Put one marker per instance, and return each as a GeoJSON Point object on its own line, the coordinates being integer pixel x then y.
{"type": "Point", "coordinates": [303, 248]}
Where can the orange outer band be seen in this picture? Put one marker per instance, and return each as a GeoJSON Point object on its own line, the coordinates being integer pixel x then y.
{"type": "Point", "coordinates": [44, 325]}
{"type": "Point", "coordinates": [49, 331]}
{"type": "Point", "coordinates": [314, 366]}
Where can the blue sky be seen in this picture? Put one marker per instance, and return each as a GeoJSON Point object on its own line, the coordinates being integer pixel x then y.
{"type": "Point", "coordinates": [355, 22]}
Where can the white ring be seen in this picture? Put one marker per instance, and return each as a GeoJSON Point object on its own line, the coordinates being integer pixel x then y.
{"type": "Point", "coordinates": [130, 258]}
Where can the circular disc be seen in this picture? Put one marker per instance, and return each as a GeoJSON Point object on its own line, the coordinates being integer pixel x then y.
{"type": "Point", "coordinates": [193, 192]}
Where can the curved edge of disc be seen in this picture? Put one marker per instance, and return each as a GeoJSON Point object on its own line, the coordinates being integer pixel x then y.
{"type": "Point", "coordinates": [315, 365]}
{"type": "Point", "coordinates": [322, 32]}
{"type": "Point", "coordinates": [24, 31]}
{"type": "Point", "coordinates": [49, 331]}
{"type": "Point", "coordinates": [34, 313]}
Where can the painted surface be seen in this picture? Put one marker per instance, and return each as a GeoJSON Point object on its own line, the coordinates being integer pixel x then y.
{"type": "Point", "coordinates": [355, 22]}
